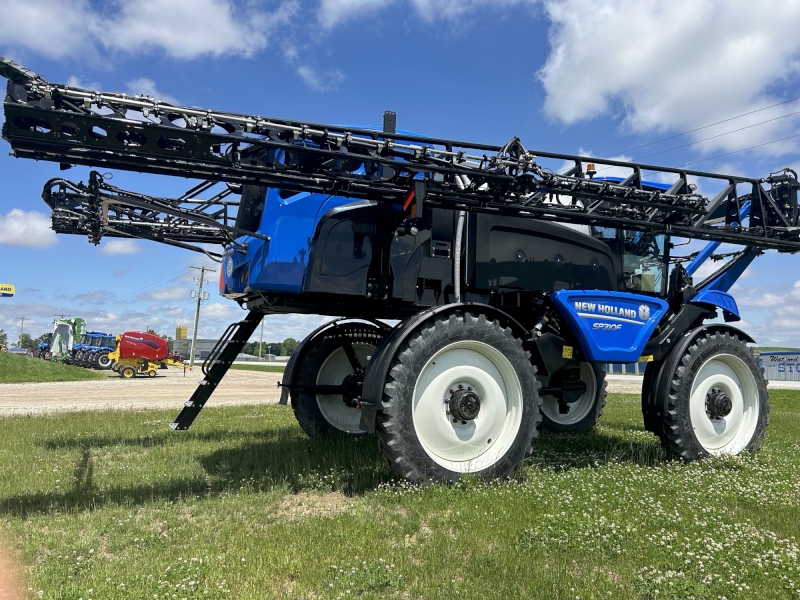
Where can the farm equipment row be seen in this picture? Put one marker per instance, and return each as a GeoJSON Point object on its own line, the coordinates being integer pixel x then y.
{"type": "Point", "coordinates": [514, 274]}
{"type": "Point", "coordinates": [129, 354]}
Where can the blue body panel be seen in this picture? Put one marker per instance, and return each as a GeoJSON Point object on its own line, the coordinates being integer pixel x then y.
{"type": "Point", "coordinates": [279, 265]}
{"type": "Point", "coordinates": [721, 299]}
{"type": "Point", "coordinates": [610, 326]}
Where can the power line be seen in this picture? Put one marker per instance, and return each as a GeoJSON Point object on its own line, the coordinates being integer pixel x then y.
{"type": "Point", "coordinates": [129, 296]}
{"type": "Point", "coordinates": [742, 150]}
{"type": "Point", "coordinates": [638, 158]}
{"type": "Point", "coordinates": [733, 152]}
{"type": "Point", "coordinates": [672, 137]}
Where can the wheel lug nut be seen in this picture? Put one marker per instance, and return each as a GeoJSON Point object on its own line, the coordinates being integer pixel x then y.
{"type": "Point", "coordinates": [469, 388]}
{"type": "Point", "coordinates": [460, 386]}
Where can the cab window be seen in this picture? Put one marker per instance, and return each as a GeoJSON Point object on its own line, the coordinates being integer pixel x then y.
{"type": "Point", "coordinates": [644, 262]}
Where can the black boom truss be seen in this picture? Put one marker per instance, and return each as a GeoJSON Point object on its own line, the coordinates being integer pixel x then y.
{"type": "Point", "coordinates": [75, 126]}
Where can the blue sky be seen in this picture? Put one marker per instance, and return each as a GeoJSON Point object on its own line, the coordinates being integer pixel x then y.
{"type": "Point", "coordinates": [572, 76]}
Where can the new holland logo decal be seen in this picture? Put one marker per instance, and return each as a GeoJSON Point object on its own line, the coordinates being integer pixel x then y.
{"type": "Point", "coordinates": [609, 312]}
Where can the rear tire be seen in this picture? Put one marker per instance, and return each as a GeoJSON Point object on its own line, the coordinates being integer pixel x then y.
{"type": "Point", "coordinates": [718, 400]}
{"type": "Point", "coordinates": [423, 422]}
{"type": "Point", "coordinates": [325, 363]}
{"type": "Point", "coordinates": [584, 413]}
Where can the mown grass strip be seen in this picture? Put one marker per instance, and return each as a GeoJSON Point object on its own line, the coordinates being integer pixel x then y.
{"type": "Point", "coordinates": [113, 505]}
{"type": "Point", "coordinates": [263, 368]}
{"type": "Point", "coordinates": [25, 369]}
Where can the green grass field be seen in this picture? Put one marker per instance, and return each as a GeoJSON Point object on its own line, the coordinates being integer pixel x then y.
{"type": "Point", "coordinates": [114, 505]}
{"type": "Point", "coordinates": [25, 369]}
{"type": "Point", "coordinates": [265, 368]}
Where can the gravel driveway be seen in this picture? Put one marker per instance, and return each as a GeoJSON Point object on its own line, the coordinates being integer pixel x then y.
{"type": "Point", "coordinates": [170, 389]}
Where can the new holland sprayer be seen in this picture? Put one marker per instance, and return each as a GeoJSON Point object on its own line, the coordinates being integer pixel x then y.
{"type": "Point", "coordinates": [513, 274]}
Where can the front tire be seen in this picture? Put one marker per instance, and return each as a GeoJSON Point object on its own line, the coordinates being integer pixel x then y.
{"type": "Point", "coordinates": [326, 363]}
{"type": "Point", "coordinates": [461, 397]}
{"type": "Point", "coordinates": [718, 400]}
{"type": "Point", "coordinates": [582, 414]}
{"type": "Point", "coordinates": [103, 361]}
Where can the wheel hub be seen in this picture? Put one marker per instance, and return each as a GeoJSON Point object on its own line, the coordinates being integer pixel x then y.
{"type": "Point", "coordinates": [353, 384]}
{"type": "Point", "coordinates": [718, 404]}
{"type": "Point", "coordinates": [464, 404]}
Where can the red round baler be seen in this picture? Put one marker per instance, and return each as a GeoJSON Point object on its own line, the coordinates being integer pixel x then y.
{"type": "Point", "coordinates": [137, 344]}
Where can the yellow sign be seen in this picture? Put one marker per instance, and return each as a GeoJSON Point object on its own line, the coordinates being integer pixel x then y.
{"type": "Point", "coordinates": [646, 358]}
{"type": "Point", "coordinates": [6, 290]}
{"type": "Point", "coordinates": [566, 352]}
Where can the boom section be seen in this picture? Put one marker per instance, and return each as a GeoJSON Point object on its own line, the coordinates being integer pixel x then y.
{"type": "Point", "coordinates": [75, 126]}
{"type": "Point", "coordinates": [98, 209]}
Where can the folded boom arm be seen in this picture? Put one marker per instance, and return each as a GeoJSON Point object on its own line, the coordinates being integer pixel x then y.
{"type": "Point", "coordinates": [75, 126]}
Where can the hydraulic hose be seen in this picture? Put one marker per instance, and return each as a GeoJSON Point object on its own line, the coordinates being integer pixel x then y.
{"type": "Point", "coordinates": [462, 183]}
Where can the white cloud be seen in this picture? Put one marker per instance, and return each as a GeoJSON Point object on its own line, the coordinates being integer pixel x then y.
{"type": "Point", "coordinates": [54, 28]}
{"type": "Point", "coordinates": [143, 85]}
{"type": "Point", "coordinates": [29, 229]}
{"type": "Point", "coordinates": [455, 10]}
{"type": "Point", "coordinates": [321, 82]}
{"type": "Point", "coordinates": [173, 293]}
{"type": "Point", "coordinates": [119, 247]}
{"type": "Point", "coordinates": [334, 12]}
{"type": "Point", "coordinates": [183, 29]}
{"type": "Point", "coordinates": [80, 82]}
{"type": "Point", "coordinates": [674, 66]}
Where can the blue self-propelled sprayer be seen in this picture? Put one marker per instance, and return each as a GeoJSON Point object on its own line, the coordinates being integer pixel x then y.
{"type": "Point", "coordinates": [513, 275]}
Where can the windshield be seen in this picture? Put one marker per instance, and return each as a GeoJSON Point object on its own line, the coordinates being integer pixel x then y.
{"type": "Point", "coordinates": [108, 342]}
{"type": "Point", "coordinates": [644, 263]}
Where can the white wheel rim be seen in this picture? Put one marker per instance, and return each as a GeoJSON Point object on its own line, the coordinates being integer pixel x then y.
{"type": "Point", "coordinates": [732, 433]}
{"type": "Point", "coordinates": [333, 372]}
{"type": "Point", "coordinates": [103, 360]}
{"type": "Point", "coordinates": [579, 409]}
{"type": "Point", "coordinates": [483, 441]}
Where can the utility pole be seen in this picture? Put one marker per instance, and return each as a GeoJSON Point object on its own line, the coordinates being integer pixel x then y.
{"type": "Point", "coordinates": [197, 310]}
{"type": "Point", "coordinates": [261, 340]}
{"type": "Point", "coordinates": [21, 326]}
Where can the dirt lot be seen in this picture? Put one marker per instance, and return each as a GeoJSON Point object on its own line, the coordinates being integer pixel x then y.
{"type": "Point", "coordinates": [170, 389]}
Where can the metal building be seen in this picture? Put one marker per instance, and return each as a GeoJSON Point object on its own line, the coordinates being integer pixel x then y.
{"type": "Point", "coordinates": [780, 366]}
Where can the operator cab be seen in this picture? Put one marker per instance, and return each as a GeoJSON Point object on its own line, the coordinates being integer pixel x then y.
{"type": "Point", "coordinates": [644, 258]}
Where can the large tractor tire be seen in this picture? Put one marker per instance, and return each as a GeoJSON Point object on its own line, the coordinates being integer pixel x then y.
{"type": "Point", "coordinates": [461, 397]}
{"type": "Point", "coordinates": [327, 361]}
{"type": "Point", "coordinates": [717, 399]}
{"type": "Point", "coordinates": [578, 415]}
{"type": "Point", "coordinates": [103, 361]}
